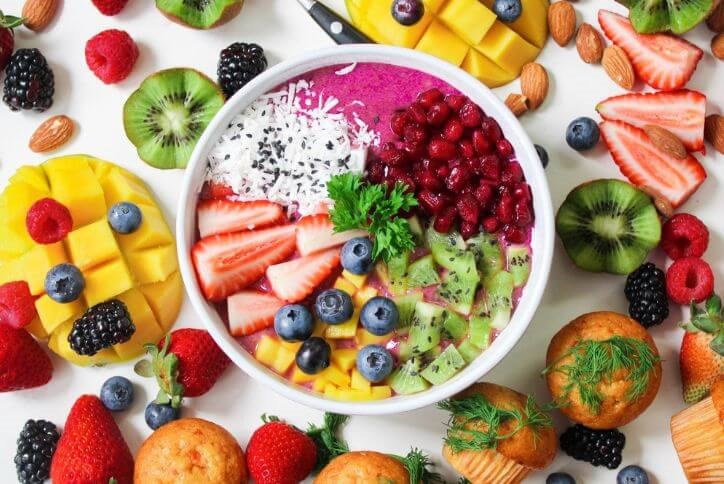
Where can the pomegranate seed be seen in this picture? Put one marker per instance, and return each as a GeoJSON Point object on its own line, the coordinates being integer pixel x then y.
{"type": "Point", "coordinates": [458, 178]}
{"type": "Point", "coordinates": [431, 202]}
{"type": "Point", "coordinates": [468, 208]}
{"type": "Point", "coordinates": [399, 121]}
{"type": "Point", "coordinates": [522, 192]}
{"type": "Point", "coordinates": [439, 149]}
{"type": "Point", "coordinates": [429, 97]}
{"type": "Point", "coordinates": [491, 128]}
{"type": "Point", "coordinates": [415, 134]}
{"type": "Point", "coordinates": [443, 171]}
{"type": "Point", "coordinates": [523, 215]}
{"type": "Point", "coordinates": [431, 165]}
{"type": "Point", "coordinates": [409, 182]}
{"type": "Point", "coordinates": [455, 101]}
{"type": "Point", "coordinates": [376, 172]}
{"type": "Point", "coordinates": [504, 148]}
{"type": "Point", "coordinates": [393, 156]}
{"type": "Point", "coordinates": [445, 220]}
{"type": "Point", "coordinates": [414, 151]}
{"type": "Point", "coordinates": [491, 225]}
{"type": "Point", "coordinates": [512, 174]}
{"type": "Point", "coordinates": [505, 209]}
{"type": "Point", "coordinates": [453, 130]}
{"type": "Point", "coordinates": [466, 149]}
{"type": "Point", "coordinates": [470, 115]}
{"type": "Point", "coordinates": [417, 113]}
{"type": "Point", "coordinates": [394, 173]}
{"type": "Point", "coordinates": [514, 235]}
{"type": "Point", "coordinates": [480, 142]}
{"type": "Point", "coordinates": [485, 194]}
{"type": "Point", "coordinates": [438, 114]}
{"type": "Point", "coordinates": [490, 167]}
{"type": "Point", "coordinates": [468, 230]}
{"type": "Point", "coordinates": [428, 180]}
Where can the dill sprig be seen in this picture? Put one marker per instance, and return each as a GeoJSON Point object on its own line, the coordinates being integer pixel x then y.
{"type": "Point", "coordinates": [329, 445]}
{"type": "Point", "coordinates": [468, 415]}
{"type": "Point", "coordinates": [419, 467]}
{"type": "Point", "coordinates": [597, 361]}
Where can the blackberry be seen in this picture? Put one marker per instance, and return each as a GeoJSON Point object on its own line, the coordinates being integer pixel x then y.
{"type": "Point", "coordinates": [100, 327]}
{"type": "Point", "coordinates": [239, 63]}
{"type": "Point", "coordinates": [29, 81]}
{"type": "Point", "coordinates": [36, 445]}
{"type": "Point", "coordinates": [646, 293]}
{"type": "Point", "coordinates": [598, 447]}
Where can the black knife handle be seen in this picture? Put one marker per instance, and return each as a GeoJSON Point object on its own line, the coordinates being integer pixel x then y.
{"type": "Point", "coordinates": [336, 27]}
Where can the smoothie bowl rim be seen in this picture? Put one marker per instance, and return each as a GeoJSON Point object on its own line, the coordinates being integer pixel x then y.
{"type": "Point", "coordinates": [542, 240]}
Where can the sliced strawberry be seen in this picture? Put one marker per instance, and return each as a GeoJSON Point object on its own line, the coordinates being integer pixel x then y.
{"type": "Point", "coordinates": [227, 263]}
{"type": "Point", "coordinates": [252, 311]}
{"type": "Point", "coordinates": [646, 165]}
{"type": "Point", "coordinates": [216, 191]}
{"type": "Point", "coordinates": [295, 280]}
{"type": "Point", "coordinates": [681, 112]}
{"type": "Point", "coordinates": [316, 232]}
{"type": "Point", "coordinates": [223, 216]}
{"type": "Point", "coordinates": [663, 61]}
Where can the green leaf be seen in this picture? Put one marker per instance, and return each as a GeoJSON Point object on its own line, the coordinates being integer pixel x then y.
{"type": "Point", "coordinates": [713, 305]}
{"type": "Point", "coordinates": [688, 327]}
{"type": "Point", "coordinates": [705, 324]}
{"type": "Point", "coordinates": [419, 467]}
{"type": "Point", "coordinates": [10, 21]}
{"type": "Point", "coordinates": [143, 368]}
{"type": "Point", "coordinates": [329, 444]}
{"type": "Point", "coordinates": [717, 344]}
{"type": "Point", "coordinates": [112, 480]}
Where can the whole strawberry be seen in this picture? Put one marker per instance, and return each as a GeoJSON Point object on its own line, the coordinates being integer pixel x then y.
{"type": "Point", "coordinates": [110, 7]}
{"type": "Point", "coordinates": [23, 363]}
{"type": "Point", "coordinates": [91, 449]}
{"type": "Point", "coordinates": [279, 453]}
{"type": "Point", "coordinates": [701, 359]}
{"type": "Point", "coordinates": [7, 38]}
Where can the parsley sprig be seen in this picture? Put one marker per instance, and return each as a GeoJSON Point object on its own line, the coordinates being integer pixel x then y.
{"type": "Point", "coordinates": [366, 206]}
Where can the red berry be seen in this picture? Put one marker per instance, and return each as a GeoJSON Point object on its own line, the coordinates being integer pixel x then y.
{"type": "Point", "coordinates": [453, 130]}
{"type": "Point", "coordinates": [443, 150]}
{"type": "Point", "coordinates": [24, 363]}
{"type": "Point", "coordinates": [468, 209]}
{"type": "Point", "coordinates": [468, 229]}
{"type": "Point", "coordinates": [512, 174]}
{"type": "Point", "coordinates": [505, 210]}
{"type": "Point", "coordinates": [430, 97]}
{"type": "Point", "coordinates": [110, 7]}
{"type": "Point", "coordinates": [480, 142]}
{"type": "Point", "coordinates": [523, 215]}
{"type": "Point", "coordinates": [445, 220]}
{"type": "Point", "coordinates": [491, 128]}
{"type": "Point", "coordinates": [7, 45]}
{"type": "Point", "coordinates": [417, 113]}
{"type": "Point", "coordinates": [485, 194]}
{"type": "Point", "coordinates": [431, 202]}
{"type": "Point", "coordinates": [688, 280]}
{"type": "Point", "coordinates": [278, 453]}
{"type": "Point", "coordinates": [491, 225]}
{"type": "Point", "coordinates": [415, 151]}
{"type": "Point", "coordinates": [392, 156]}
{"type": "Point", "coordinates": [48, 221]}
{"type": "Point", "coordinates": [17, 305]}
{"type": "Point", "coordinates": [455, 101]}
{"type": "Point", "coordinates": [399, 121]}
{"type": "Point", "coordinates": [514, 235]}
{"type": "Point", "coordinates": [684, 235]}
{"type": "Point", "coordinates": [458, 178]}
{"type": "Point", "coordinates": [467, 151]}
{"type": "Point", "coordinates": [504, 148]}
{"type": "Point", "coordinates": [443, 171]}
{"type": "Point", "coordinates": [111, 55]}
{"type": "Point", "coordinates": [428, 181]}
{"type": "Point", "coordinates": [201, 361]}
{"type": "Point", "coordinates": [471, 115]}
{"type": "Point", "coordinates": [490, 167]}
{"type": "Point", "coordinates": [522, 192]}
{"type": "Point", "coordinates": [415, 134]}
{"type": "Point", "coordinates": [438, 114]}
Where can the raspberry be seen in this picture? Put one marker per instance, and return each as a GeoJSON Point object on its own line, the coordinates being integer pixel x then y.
{"type": "Point", "coordinates": [684, 235]}
{"type": "Point", "coordinates": [17, 306]}
{"type": "Point", "coordinates": [48, 221]}
{"type": "Point", "coordinates": [111, 55]}
{"type": "Point", "coordinates": [688, 280]}
{"type": "Point", "coordinates": [110, 7]}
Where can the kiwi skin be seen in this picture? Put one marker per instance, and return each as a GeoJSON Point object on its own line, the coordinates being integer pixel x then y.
{"type": "Point", "coordinates": [230, 12]}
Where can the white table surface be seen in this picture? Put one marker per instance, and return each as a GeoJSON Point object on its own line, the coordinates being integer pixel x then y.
{"type": "Point", "coordinates": [284, 30]}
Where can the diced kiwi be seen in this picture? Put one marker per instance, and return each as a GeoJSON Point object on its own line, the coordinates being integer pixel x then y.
{"type": "Point", "coordinates": [166, 116]}
{"type": "Point", "coordinates": [519, 263]}
{"type": "Point", "coordinates": [678, 16]}
{"type": "Point", "coordinates": [455, 325]}
{"type": "Point", "coordinates": [488, 254]}
{"type": "Point", "coordinates": [608, 226]}
{"type": "Point", "coordinates": [406, 307]}
{"type": "Point", "coordinates": [397, 271]}
{"type": "Point", "coordinates": [446, 248]}
{"type": "Point", "coordinates": [459, 286]}
{"type": "Point", "coordinates": [422, 273]}
{"type": "Point", "coordinates": [499, 296]}
{"type": "Point", "coordinates": [444, 366]}
{"type": "Point", "coordinates": [469, 351]}
{"type": "Point", "coordinates": [406, 379]}
{"type": "Point", "coordinates": [426, 327]}
{"type": "Point", "coordinates": [479, 332]}
{"type": "Point", "coordinates": [200, 14]}
{"type": "Point", "coordinates": [417, 231]}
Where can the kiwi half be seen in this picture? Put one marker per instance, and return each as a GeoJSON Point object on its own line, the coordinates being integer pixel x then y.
{"type": "Point", "coordinates": [200, 14]}
{"type": "Point", "coordinates": [678, 16]}
{"type": "Point", "coordinates": [165, 116]}
{"type": "Point", "coordinates": [608, 226]}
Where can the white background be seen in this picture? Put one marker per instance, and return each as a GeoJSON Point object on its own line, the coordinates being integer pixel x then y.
{"type": "Point", "coordinates": [284, 30]}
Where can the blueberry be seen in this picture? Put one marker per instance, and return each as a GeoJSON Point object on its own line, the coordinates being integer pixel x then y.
{"type": "Point", "coordinates": [582, 134]}
{"type": "Point", "coordinates": [380, 316]}
{"type": "Point", "coordinates": [407, 12]}
{"type": "Point", "coordinates": [507, 10]}
{"type": "Point", "coordinates": [125, 217]}
{"type": "Point", "coordinates": [374, 362]}
{"type": "Point", "coordinates": [357, 256]}
{"type": "Point", "coordinates": [334, 306]}
{"type": "Point", "coordinates": [117, 393]}
{"type": "Point", "coordinates": [294, 322]}
{"type": "Point", "coordinates": [313, 356]}
{"type": "Point", "coordinates": [158, 414]}
{"type": "Point", "coordinates": [543, 155]}
{"type": "Point", "coordinates": [560, 478]}
{"type": "Point", "coordinates": [64, 283]}
{"type": "Point", "coordinates": [632, 475]}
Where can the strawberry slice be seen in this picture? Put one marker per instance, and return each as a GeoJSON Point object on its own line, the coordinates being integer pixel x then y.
{"type": "Point", "coordinates": [316, 232]}
{"type": "Point", "coordinates": [665, 62]}
{"type": "Point", "coordinates": [293, 281]}
{"type": "Point", "coordinates": [252, 311]}
{"type": "Point", "coordinates": [681, 112]}
{"type": "Point", "coordinates": [215, 191]}
{"type": "Point", "coordinates": [647, 166]}
{"type": "Point", "coordinates": [227, 263]}
{"type": "Point", "coordinates": [223, 216]}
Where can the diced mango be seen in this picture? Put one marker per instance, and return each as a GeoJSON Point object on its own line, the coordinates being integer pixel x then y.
{"type": "Point", "coordinates": [364, 338]}
{"type": "Point", "coordinates": [381, 392]}
{"type": "Point", "coordinates": [344, 330]}
{"type": "Point", "coordinates": [58, 343]}
{"type": "Point", "coordinates": [36, 329]}
{"type": "Point", "coordinates": [319, 384]}
{"type": "Point", "coordinates": [73, 183]}
{"type": "Point", "coordinates": [469, 19]}
{"type": "Point", "coordinates": [165, 299]}
{"type": "Point", "coordinates": [364, 295]}
{"type": "Point", "coordinates": [121, 186]}
{"type": "Point", "coordinates": [441, 42]}
{"type": "Point", "coordinates": [33, 176]}
{"type": "Point", "coordinates": [532, 24]}
{"type": "Point", "coordinates": [13, 244]}
{"type": "Point", "coordinates": [506, 48]}
{"type": "Point", "coordinates": [320, 329]}
{"type": "Point", "coordinates": [152, 265]}
{"type": "Point", "coordinates": [92, 245]}
{"type": "Point", "coordinates": [291, 346]}
{"type": "Point", "coordinates": [344, 285]}
{"type": "Point", "coordinates": [487, 71]}
{"type": "Point", "coordinates": [345, 359]}
{"type": "Point", "coordinates": [433, 5]}
{"type": "Point", "coordinates": [266, 350]}
{"type": "Point", "coordinates": [336, 376]}
{"type": "Point", "coordinates": [284, 360]}
{"type": "Point", "coordinates": [357, 280]}
{"type": "Point", "coordinates": [331, 390]}
{"type": "Point", "coordinates": [106, 281]}
{"type": "Point", "coordinates": [34, 266]}
{"type": "Point", "coordinates": [52, 314]}
{"type": "Point", "coordinates": [152, 232]}
{"type": "Point", "coordinates": [298, 376]}
{"type": "Point", "coordinates": [359, 382]}
{"type": "Point", "coordinates": [352, 395]}
{"type": "Point", "coordinates": [391, 31]}
{"type": "Point", "coordinates": [147, 329]}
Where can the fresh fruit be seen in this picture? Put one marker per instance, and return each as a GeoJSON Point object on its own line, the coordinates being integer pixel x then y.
{"type": "Point", "coordinates": [582, 134]}
{"type": "Point", "coordinates": [111, 55]}
{"type": "Point", "coordinates": [117, 393]}
{"type": "Point", "coordinates": [37, 14]}
{"type": "Point", "coordinates": [560, 478]}
{"type": "Point", "coordinates": [17, 305]}
{"type": "Point", "coordinates": [165, 116]}
{"type": "Point", "coordinates": [357, 255]}
{"type": "Point", "coordinates": [205, 15]}
{"type": "Point", "coordinates": [333, 306]}
{"type": "Point", "coordinates": [519, 259]}
{"type": "Point", "coordinates": [316, 233]}
{"type": "Point", "coordinates": [648, 17]}
{"type": "Point", "coordinates": [618, 67]}
{"type": "Point", "coordinates": [64, 283]}
{"type": "Point", "coordinates": [100, 327]}
{"type": "Point", "coordinates": [646, 293]}
{"type": "Point", "coordinates": [597, 447]}
{"type": "Point", "coordinates": [647, 166]}
{"type": "Point", "coordinates": [36, 446]}
{"type": "Point", "coordinates": [425, 329]}
{"type": "Point", "coordinates": [375, 363]}
{"type": "Point", "coordinates": [406, 378]}
{"type": "Point", "coordinates": [380, 316]}
{"type": "Point", "coordinates": [680, 112]}
{"type": "Point", "coordinates": [444, 367]}
{"type": "Point", "coordinates": [508, 11]}
{"type": "Point", "coordinates": [52, 133]}
{"type": "Point", "coordinates": [157, 414]}
{"type": "Point", "coordinates": [608, 225]}
{"type": "Point", "coordinates": [222, 216]}
{"type": "Point", "coordinates": [632, 475]}
{"type": "Point", "coordinates": [499, 293]}
{"type": "Point", "coordinates": [407, 12]}
{"type": "Point", "coordinates": [24, 363]}
{"type": "Point", "coordinates": [7, 38]}
{"type": "Point", "coordinates": [280, 454]}
{"type": "Point", "coordinates": [714, 131]}
{"type": "Point", "coordinates": [689, 280]}
{"type": "Point", "coordinates": [125, 217]}
{"type": "Point", "coordinates": [684, 235]}
{"type": "Point", "coordinates": [458, 286]}
{"type": "Point", "coordinates": [663, 61]}
{"type": "Point", "coordinates": [562, 22]}
{"type": "Point", "coordinates": [48, 221]}
{"type": "Point", "coordinates": [29, 81]}
{"type": "Point", "coordinates": [91, 448]}
{"type": "Point", "coordinates": [110, 7]}
{"type": "Point", "coordinates": [251, 311]}
{"type": "Point", "coordinates": [422, 273]}
{"type": "Point", "coordinates": [239, 63]}
{"type": "Point", "coordinates": [313, 356]}
{"type": "Point", "coordinates": [589, 44]}
{"type": "Point", "coordinates": [293, 281]}
{"type": "Point", "coordinates": [534, 84]}
{"type": "Point", "coordinates": [293, 323]}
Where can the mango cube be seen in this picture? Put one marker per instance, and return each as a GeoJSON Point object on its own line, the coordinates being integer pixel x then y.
{"type": "Point", "coordinates": [506, 48]}
{"type": "Point", "coordinates": [344, 330]}
{"type": "Point", "coordinates": [165, 299]}
{"type": "Point", "coordinates": [36, 329]}
{"type": "Point", "coordinates": [357, 280]}
{"type": "Point", "coordinates": [319, 384]}
{"type": "Point", "coordinates": [152, 232]}
{"type": "Point", "coordinates": [75, 186]}
{"type": "Point", "coordinates": [433, 5]}
{"type": "Point", "coordinates": [52, 314]}
{"type": "Point", "coordinates": [298, 376]}
{"type": "Point", "coordinates": [147, 329]}
{"type": "Point", "coordinates": [330, 390]}
{"type": "Point", "coordinates": [345, 359]}
{"type": "Point", "coordinates": [392, 32]}
{"type": "Point", "coordinates": [33, 266]}
{"type": "Point", "coordinates": [381, 392]}
{"type": "Point", "coordinates": [12, 243]}
{"type": "Point", "coordinates": [266, 350]}
{"type": "Point", "coordinates": [469, 19]}
{"type": "Point", "coordinates": [352, 395]}
{"type": "Point", "coordinates": [284, 360]}
{"type": "Point", "coordinates": [336, 376]}
{"type": "Point", "coordinates": [152, 265]}
{"type": "Point", "coordinates": [33, 176]}
{"type": "Point", "coordinates": [439, 41]}
{"type": "Point", "coordinates": [123, 187]}
{"type": "Point", "coordinates": [364, 295]}
{"type": "Point", "coordinates": [485, 70]}
{"type": "Point", "coordinates": [106, 282]}
{"type": "Point", "coordinates": [359, 382]}
{"type": "Point", "coordinates": [364, 338]}
{"type": "Point", "coordinates": [58, 343]}
{"type": "Point", "coordinates": [529, 25]}
{"type": "Point", "coordinates": [92, 245]}
{"type": "Point", "coordinates": [344, 285]}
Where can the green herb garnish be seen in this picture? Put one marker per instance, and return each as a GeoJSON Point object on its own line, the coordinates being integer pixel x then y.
{"type": "Point", "coordinates": [419, 467]}
{"type": "Point", "coordinates": [359, 205]}
{"type": "Point", "coordinates": [477, 411]}
{"type": "Point", "coordinates": [329, 445]}
{"type": "Point", "coordinates": [597, 361]}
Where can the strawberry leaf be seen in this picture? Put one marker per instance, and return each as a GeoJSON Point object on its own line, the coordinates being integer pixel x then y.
{"type": "Point", "coordinates": [713, 305]}
{"type": "Point", "coordinates": [705, 324]}
{"type": "Point", "coordinates": [717, 344]}
{"type": "Point", "coordinates": [143, 368]}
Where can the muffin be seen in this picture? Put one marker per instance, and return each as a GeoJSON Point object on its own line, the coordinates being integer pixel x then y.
{"type": "Point", "coordinates": [512, 435]}
{"type": "Point", "coordinates": [603, 370]}
{"type": "Point", "coordinates": [190, 451]}
{"type": "Point", "coordinates": [698, 435]}
{"type": "Point", "coordinates": [363, 468]}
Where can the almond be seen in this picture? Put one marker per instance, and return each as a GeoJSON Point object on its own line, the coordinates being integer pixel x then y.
{"type": "Point", "coordinates": [534, 84]}
{"type": "Point", "coordinates": [666, 141]}
{"type": "Point", "coordinates": [52, 134]}
{"type": "Point", "coordinates": [517, 103]}
{"type": "Point", "coordinates": [714, 131]}
{"type": "Point", "coordinates": [37, 14]}
{"type": "Point", "coordinates": [562, 22]}
{"type": "Point", "coordinates": [589, 44]}
{"type": "Point", "coordinates": [662, 204]}
{"type": "Point", "coordinates": [715, 22]}
{"type": "Point", "coordinates": [618, 66]}
{"type": "Point", "coordinates": [717, 46]}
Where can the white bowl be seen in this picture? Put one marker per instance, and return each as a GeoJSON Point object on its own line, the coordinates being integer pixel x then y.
{"type": "Point", "coordinates": [542, 243]}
